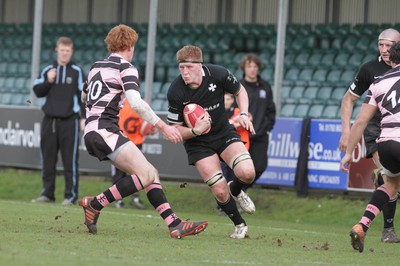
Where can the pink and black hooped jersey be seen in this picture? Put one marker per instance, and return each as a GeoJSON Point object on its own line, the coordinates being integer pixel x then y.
{"type": "Point", "coordinates": [384, 93]}
{"type": "Point", "coordinates": [105, 87]}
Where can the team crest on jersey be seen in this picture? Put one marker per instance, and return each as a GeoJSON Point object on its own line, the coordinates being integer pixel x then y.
{"type": "Point", "coordinates": [212, 87]}
{"type": "Point", "coordinates": [232, 77]}
{"type": "Point", "coordinates": [69, 80]}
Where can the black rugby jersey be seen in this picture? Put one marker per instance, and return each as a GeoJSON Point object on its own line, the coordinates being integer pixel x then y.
{"type": "Point", "coordinates": [367, 74]}
{"type": "Point", "coordinates": [210, 95]}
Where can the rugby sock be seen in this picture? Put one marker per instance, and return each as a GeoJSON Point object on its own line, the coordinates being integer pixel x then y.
{"type": "Point", "coordinates": [157, 198]}
{"type": "Point", "coordinates": [231, 210]}
{"type": "Point", "coordinates": [237, 186]}
{"type": "Point", "coordinates": [388, 211]}
{"type": "Point", "coordinates": [124, 187]}
{"type": "Point", "coordinates": [379, 198]}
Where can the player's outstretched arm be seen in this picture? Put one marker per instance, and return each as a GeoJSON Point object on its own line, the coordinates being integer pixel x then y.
{"type": "Point", "coordinates": [346, 111]}
{"type": "Point", "coordinates": [242, 100]}
{"type": "Point", "coordinates": [366, 113]}
{"type": "Point", "coordinates": [145, 112]}
{"type": "Point", "coordinates": [170, 132]}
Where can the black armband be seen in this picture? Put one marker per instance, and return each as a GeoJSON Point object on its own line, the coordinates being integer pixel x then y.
{"type": "Point", "coordinates": [194, 133]}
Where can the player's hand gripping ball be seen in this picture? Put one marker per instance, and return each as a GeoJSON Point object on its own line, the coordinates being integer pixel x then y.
{"type": "Point", "coordinates": [191, 113]}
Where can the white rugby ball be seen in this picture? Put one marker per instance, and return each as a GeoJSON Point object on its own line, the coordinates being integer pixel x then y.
{"type": "Point", "coordinates": [191, 113]}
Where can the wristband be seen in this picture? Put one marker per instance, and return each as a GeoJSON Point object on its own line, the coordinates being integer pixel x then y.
{"type": "Point", "coordinates": [245, 114]}
{"type": "Point", "coordinates": [194, 133]}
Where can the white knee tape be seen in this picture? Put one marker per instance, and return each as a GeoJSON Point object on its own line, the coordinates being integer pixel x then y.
{"type": "Point", "coordinates": [239, 158]}
{"type": "Point", "coordinates": [214, 179]}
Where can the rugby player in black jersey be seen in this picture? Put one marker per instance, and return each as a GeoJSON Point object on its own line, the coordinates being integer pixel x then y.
{"type": "Point", "coordinates": [205, 85]}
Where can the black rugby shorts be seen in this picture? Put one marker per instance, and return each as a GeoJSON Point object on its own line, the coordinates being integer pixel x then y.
{"type": "Point", "coordinates": [389, 155]}
{"type": "Point", "coordinates": [200, 148]}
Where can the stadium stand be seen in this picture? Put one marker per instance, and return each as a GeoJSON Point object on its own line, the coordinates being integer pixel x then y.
{"type": "Point", "coordinates": [267, 73]}
{"type": "Point", "coordinates": [331, 111]}
{"type": "Point", "coordinates": [355, 60]}
{"type": "Point", "coordinates": [6, 98]}
{"type": "Point", "coordinates": [323, 95]}
{"type": "Point", "coordinates": [301, 110]}
{"type": "Point", "coordinates": [159, 73]}
{"type": "Point", "coordinates": [319, 58]}
{"type": "Point", "coordinates": [315, 111]}
{"type": "Point", "coordinates": [2, 87]}
{"type": "Point", "coordinates": [347, 77]}
{"type": "Point", "coordinates": [310, 93]}
{"type": "Point", "coordinates": [287, 110]}
{"type": "Point", "coordinates": [291, 76]}
{"type": "Point", "coordinates": [17, 99]}
{"type": "Point", "coordinates": [315, 59]}
{"type": "Point", "coordinates": [319, 76]}
{"type": "Point", "coordinates": [305, 76]}
{"type": "Point", "coordinates": [3, 69]}
{"type": "Point", "coordinates": [285, 92]}
{"type": "Point", "coordinates": [341, 60]}
{"type": "Point", "coordinates": [337, 95]}
{"type": "Point", "coordinates": [157, 104]}
{"type": "Point", "coordinates": [301, 59]}
{"type": "Point", "coordinates": [296, 94]}
{"type": "Point", "coordinates": [333, 76]}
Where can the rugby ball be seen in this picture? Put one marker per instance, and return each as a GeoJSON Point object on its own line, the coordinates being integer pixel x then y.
{"type": "Point", "coordinates": [191, 113]}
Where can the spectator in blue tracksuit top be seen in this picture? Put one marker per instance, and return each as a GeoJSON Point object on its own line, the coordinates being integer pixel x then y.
{"type": "Point", "coordinates": [60, 85]}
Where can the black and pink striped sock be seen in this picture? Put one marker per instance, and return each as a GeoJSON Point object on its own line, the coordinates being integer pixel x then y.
{"type": "Point", "coordinates": [124, 187]}
{"type": "Point", "coordinates": [157, 198]}
{"type": "Point", "coordinates": [379, 198]}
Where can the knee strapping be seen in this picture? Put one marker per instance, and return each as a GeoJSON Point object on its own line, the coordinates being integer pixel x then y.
{"type": "Point", "coordinates": [239, 158]}
{"type": "Point", "coordinates": [214, 179]}
{"type": "Point", "coordinates": [395, 198]}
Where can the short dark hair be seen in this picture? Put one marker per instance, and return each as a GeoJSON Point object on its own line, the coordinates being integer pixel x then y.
{"type": "Point", "coordinates": [394, 53]}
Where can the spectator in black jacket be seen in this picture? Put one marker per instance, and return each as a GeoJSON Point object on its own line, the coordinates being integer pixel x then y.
{"type": "Point", "coordinates": [262, 108]}
{"type": "Point", "coordinates": [60, 85]}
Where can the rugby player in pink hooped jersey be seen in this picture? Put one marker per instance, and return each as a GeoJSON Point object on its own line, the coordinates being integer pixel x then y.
{"type": "Point", "coordinates": [366, 75]}
{"type": "Point", "coordinates": [109, 82]}
{"type": "Point", "coordinates": [383, 96]}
